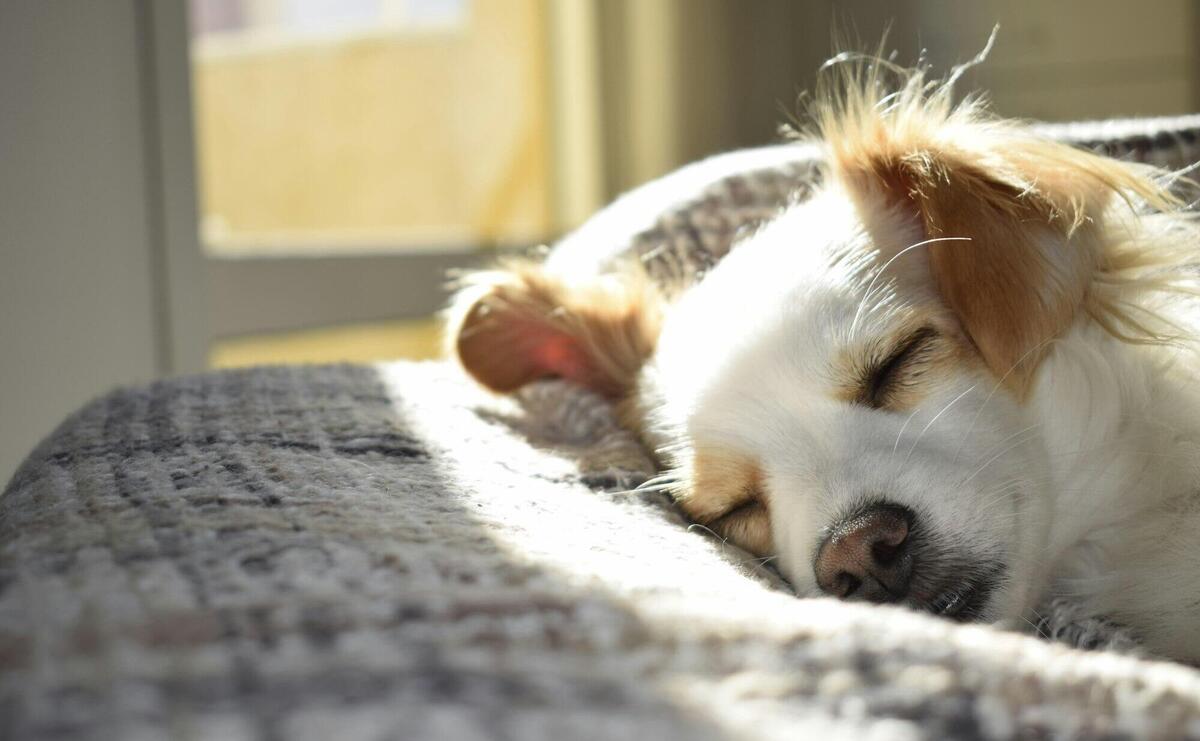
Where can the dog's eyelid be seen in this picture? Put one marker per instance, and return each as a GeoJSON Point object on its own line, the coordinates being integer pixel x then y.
{"type": "Point", "coordinates": [743, 508]}
{"type": "Point", "coordinates": [880, 378]}
{"type": "Point", "coordinates": [752, 502]}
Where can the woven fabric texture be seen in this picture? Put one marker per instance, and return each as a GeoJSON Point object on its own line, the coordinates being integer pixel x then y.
{"type": "Point", "coordinates": [355, 552]}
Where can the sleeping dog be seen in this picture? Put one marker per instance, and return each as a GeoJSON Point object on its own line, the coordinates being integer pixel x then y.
{"type": "Point", "coordinates": [958, 377]}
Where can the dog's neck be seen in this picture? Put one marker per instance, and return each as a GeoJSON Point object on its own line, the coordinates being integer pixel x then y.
{"type": "Point", "coordinates": [1114, 425]}
{"type": "Point", "coordinates": [1121, 428]}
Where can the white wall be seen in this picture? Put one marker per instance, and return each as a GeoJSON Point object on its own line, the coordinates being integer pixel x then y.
{"type": "Point", "coordinates": [77, 300]}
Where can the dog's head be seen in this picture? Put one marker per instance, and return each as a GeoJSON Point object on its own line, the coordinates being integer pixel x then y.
{"type": "Point", "coordinates": [850, 389]}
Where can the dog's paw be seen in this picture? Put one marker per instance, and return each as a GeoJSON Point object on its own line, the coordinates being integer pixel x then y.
{"type": "Point", "coordinates": [1063, 621]}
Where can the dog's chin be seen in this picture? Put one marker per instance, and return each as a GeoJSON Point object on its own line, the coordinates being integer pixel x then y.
{"type": "Point", "coordinates": [964, 600]}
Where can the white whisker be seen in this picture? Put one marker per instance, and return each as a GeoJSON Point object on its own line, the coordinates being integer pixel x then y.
{"type": "Point", "coordinates": [953, 401]}
{"type": "Point", "coordinates": [902, 429]}
{"type": "Point", "coordinates": [994, 458]}
{"type": "Point", "coordinates": [898, 255]}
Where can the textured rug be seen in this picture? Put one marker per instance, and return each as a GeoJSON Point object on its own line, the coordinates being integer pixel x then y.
{"type": "Point", "coordinates": [388, 553]}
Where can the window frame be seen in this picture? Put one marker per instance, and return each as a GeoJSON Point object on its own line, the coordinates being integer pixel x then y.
{"type": "Point", "coordinates": [205, 296]}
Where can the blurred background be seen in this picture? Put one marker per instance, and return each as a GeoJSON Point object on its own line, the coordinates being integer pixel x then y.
{"type": "Point", "coordinates": [213, 183]}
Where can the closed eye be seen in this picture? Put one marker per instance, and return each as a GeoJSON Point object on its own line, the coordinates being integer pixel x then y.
{"type": "Point", "coordinates": [747, 508]}
{"type": "Point", "coordinates": [900, 368]}
{"type": "Point", "coordinates": [747, 525]}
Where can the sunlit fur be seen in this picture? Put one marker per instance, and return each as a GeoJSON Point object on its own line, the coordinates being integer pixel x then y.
{"type": "Point", "coordinates": [1050, 436]}
{"type": "Point", "coordinates": [518, 323]}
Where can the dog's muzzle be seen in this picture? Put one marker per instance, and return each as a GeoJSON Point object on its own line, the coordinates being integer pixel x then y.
{"type": "Point", "coordinates": [880, 553]}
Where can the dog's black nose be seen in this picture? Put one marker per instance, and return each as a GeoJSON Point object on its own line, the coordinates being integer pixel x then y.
{"type": "Point", "coordinates": [867, 555]}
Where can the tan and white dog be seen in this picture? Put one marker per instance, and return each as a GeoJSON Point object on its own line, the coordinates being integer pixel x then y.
{"type": "Point", "coordinates": [958, 377]}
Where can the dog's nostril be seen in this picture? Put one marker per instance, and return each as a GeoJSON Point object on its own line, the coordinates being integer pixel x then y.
{"type": "Point", "coordinates": [867, 555]}
{"type": "Point", "coordinates": [847, 585]}
{"type": "Point", "coordinates": [887, 553]}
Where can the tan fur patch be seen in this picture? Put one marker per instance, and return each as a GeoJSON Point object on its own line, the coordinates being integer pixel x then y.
{"type": "Point", "coordinates": [895, 370]}
{"type": "Point", "coordinates": [724, 492]}
{"type": "Point", "coordinates": [1020, 280]}
{"type": "Point", "coordinates": [519, 323]}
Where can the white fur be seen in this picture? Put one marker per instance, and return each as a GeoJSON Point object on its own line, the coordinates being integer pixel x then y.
{"type": "Point", "coordinates": [1085, 488]}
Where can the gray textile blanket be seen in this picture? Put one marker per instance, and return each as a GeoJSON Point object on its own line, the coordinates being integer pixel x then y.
{"type": "Point", "coordinates": [388, 552]}
{"type": "Point", "coordinates": [385, 552]}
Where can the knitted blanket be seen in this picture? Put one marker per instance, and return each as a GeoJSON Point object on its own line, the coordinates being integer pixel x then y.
{"type": "Point", "coordinates": [387, 552]}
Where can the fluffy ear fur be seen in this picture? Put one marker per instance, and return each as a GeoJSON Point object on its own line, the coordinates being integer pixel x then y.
{"type": "Point", "coordinates": [1024, 213]}
{"type": "Point", "coordinates": [519, 323]}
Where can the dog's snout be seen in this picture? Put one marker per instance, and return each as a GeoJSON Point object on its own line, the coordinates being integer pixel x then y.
{"type": "Point", "coordinates": [867, 555]}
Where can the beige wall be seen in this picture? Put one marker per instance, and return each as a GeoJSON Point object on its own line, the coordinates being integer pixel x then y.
{"type": "Point", "coordinates": [736, 67]}
{"type": "Point", "coordinates": [1071, 59]}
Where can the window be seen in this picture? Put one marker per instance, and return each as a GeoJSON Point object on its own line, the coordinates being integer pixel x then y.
{"type": "Point", "coordinates": [371, 125]}
{"type": "Point", "coordinates": [349, 153]}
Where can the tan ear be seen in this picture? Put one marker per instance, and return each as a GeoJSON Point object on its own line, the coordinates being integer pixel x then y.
{"type": "Point", "coordinates": [1012, 224]}
{"type": "Point", "coordinates": [519, 323]}
{"type": "Point", "coordinates": [1032, 209]}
